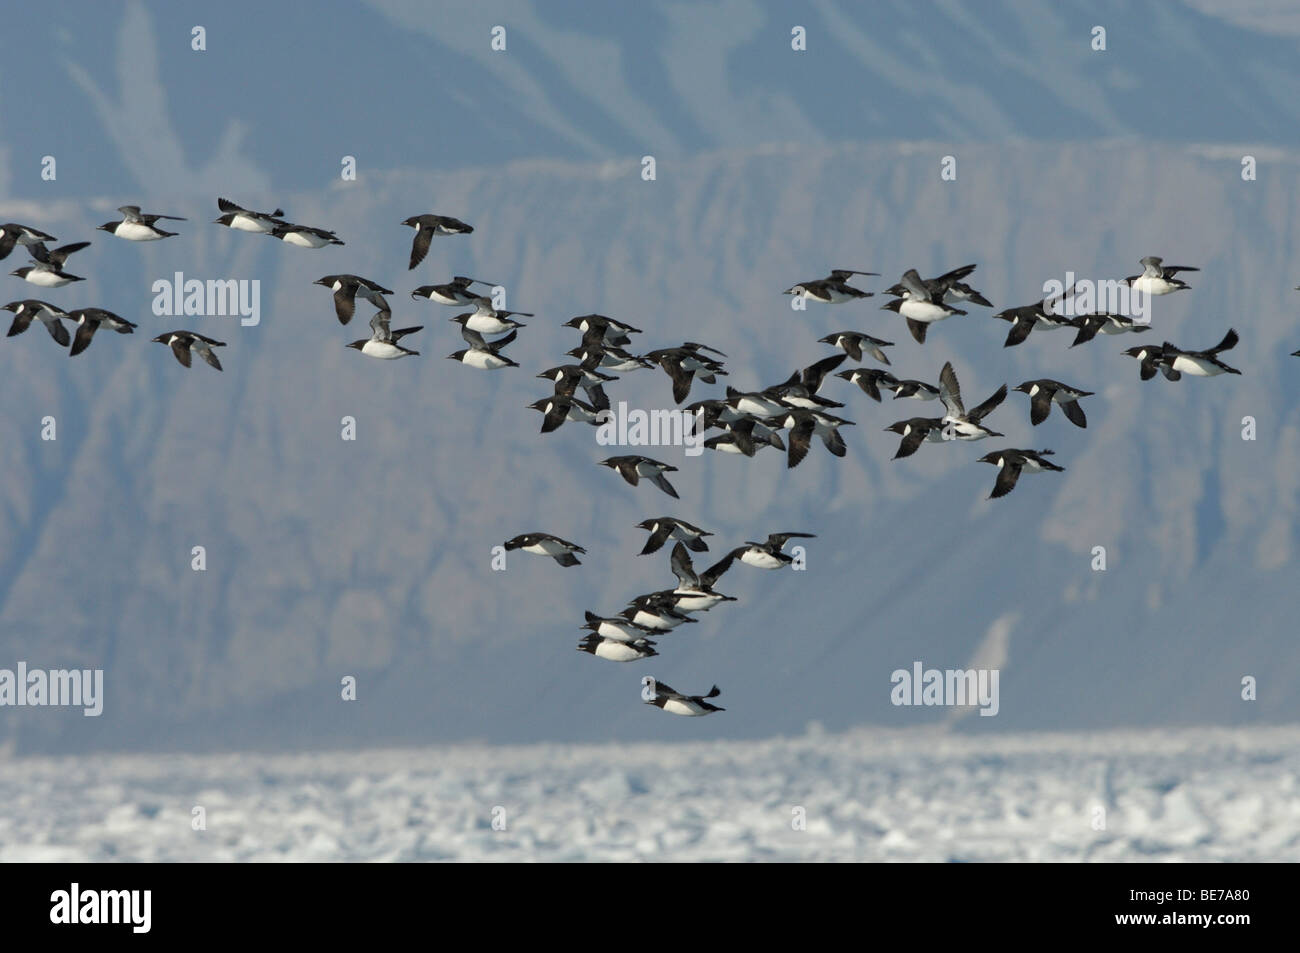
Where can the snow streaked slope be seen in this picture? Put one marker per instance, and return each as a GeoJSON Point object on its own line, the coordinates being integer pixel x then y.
{"type": "Point", "coordinates": [1192, 795]}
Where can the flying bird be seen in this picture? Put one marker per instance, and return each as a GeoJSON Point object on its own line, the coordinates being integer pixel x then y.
{"type": "Point", "coordinates": [426, 226]}
{"type": "Point", "coordinates": [185, 343]}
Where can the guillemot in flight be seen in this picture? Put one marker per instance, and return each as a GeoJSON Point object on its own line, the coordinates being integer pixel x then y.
{"type": "Point", "coordinates": [558, 408]}
{"type": "Point", "coordinates": [184, 343]}
{"type": "Point", "coordinates": [869, 379]}
{"type": "Point", "coordinates": [569, 377]}
{"type": "Point", "coordinates": [755, 403]}
{"type": "Point", "coordinates": [607, 357]}
{"type": "Point", "coordinates": [656, 610]}
{"type": "Point", "coordinates": [47, 272]}
{"type": "Point", "coordinates": [947, 285]}
{"type": "Point", "coordinates": [695, 592]}
{"type": "Point", "coordinates": [32, 309]}
{"type": "Point", "coordinates": [611, 332]}
{"type": "Point", "coordinates": [88, 321]}
{"type": "Point", "coordinates": [803, 424]}
{"type": "Point", "coordinates": [1012, 463]}
{"type": "Point", "coordinates": [246, 220]}
{"type": "Point", "coordinates": [1158, 278]}
{"type": "Point", "coordinates": [1103, 322]}
{"type": "Point", "coordinates": [908, 389]}
{"type": "Point", "coordinates": [1199, 363]}
{"type": "Point", "coordinates": [919, 306]}
{"type": "Point", "coordinates": [915, 431]}
{"type": "Point", "coordinates": [12, 233]}
{"type": "Point", "coordinates": [676, 703]}
{"type": "Point", "coordinates": [486, 319]}
{"type": "Point", "coordinates": [681, 364]}
{"type": "Point", "coordinates": [137, 226]}
{"type": "Point", "coordinates": [744, 436]}
{"type": "Point", "coordinates": [632, 467]}
{"type": "Point", "coordinates": [614, 650]}
{"type": "Point", "coordinates": [304, 236]}
{"type": "Point", "coordinates": [766, 555]}
{"type": "Point", "coordinates": [544, 544]}
{"type": "Point", "coordinates": [1151, 357]}
{"type": "Point", "coordinates": [958, 423]}
{"type": "Point", "coordinates": [617, 628]}
{"type": "Point", "coordinates": [1037, 315]}
{"type": "Point", "coordinates": [426, 226]}
{"type": "Point", "coordinates": [481, 354]}
{"type": "Point", "coordinates": [383, 342]}
{"type": "Point", "coordinates": [663, 528]}
{"type": "Point", "coordinates": [855, 344]}
{"type": "Point", "coordinates": [801, 388]}
{"type": "Point", "coordinates": [833, 289]}
{"type": "Point", "coordinates": [455, 292]}
{"type": "Point", "coordinates": [347, 288]}
{"type": "Point", "coordinates": [1045, 392]}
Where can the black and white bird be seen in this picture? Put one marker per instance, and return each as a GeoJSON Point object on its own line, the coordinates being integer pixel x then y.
{"type": "Point", "coordinates": [33, 310]}
{"type": "Point", "coordinates": [1045, 392]}
{"type": "Point", "coordinates": [607, 357]}
{"type": "Point", "coordinates": [558, 408]}
{"type": "Point", "coordinates": [855, 344]}
{"type": "Point", "coordinates": [485, 319]}
{"type": "Point", "coordinates": [800, 389]}
{"type": "Point", "coordinates": [246, 220]}
{"type": "Point", "coordinates": [1158, 278]}
{"type": "Point", "coordinates": [959, 423]}
{"type": "Point", "coordinates": [663, 528]}
{"type": "Point", "coordinates": [695, 592]}
{"type": "Point", "coordinates": [683, 364]}
{"type": "Point", "coordinates": [481, 354]}
{"type": "Point", "coordinates": [616, 650]}
{"type": "Point", "coordinates": [618, 628]}
{"type": "Point", "coordinates": [1199, 363]}
{"type": "Point", "coordinates": [746, 436]}
{"type": "Point", "coordinates": [567, 378]}
{"type": "Point", "coordinates": [919, 305]}
{"type": "Point", "coordinates": [833, 289]}
{"type": "Point", "coordinates": [304, 236]}
{"type": "Point", "coordinates": [347, 288]}
{"type": "Point", "coordinates": [908, 389]}
{"type": "Point", "coordinates": [455, 292]}
{"type": "Point", "coordinates": [633, 467]}
{"type": "Point", "coordinates": [12, 233]}
{"type": "Point", "coordinates": [674, 702]}
{"type": "Point", "coordinates": [657, 610]}
{"type": "Point", "coordinates": [804, 425]}
{"type": "Point", "coordinates": [544, 544]}
{"type": "Point", "coordinates": [1151, 359]}
{"type": "Point", "coordinates": [1104, 322]}
{"type": "Point", "coordinates": [137, 226]}
{"type": "Point", "coordinates": [1038, 315]}
{"type": "Point", "coordinates": [1013, 463]}
{"type": "Point", "coordinates": [426, 226]}
{"type": "Point", "coordinates": [948, 285]}
{"type": "Point", "coordinates": [869, 379]}
{"type": "Point", "coordinates": [612, 332]}
{"type": "Point", "coordinates": [47, 272]}
{"type": "Point", "coordinates": [88, 321]}
{"type": "Point", "coordinates": [766, 555]}
{"type": "Point", "coordinates": [916, 431]}
{"type": "Point", "coordinates": [383, 342]}
{"type": "Point", "coordinates": [186, 343]}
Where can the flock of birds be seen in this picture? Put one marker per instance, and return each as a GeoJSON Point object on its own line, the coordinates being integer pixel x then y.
{"type": "Point", "coordinates": [786, 416]}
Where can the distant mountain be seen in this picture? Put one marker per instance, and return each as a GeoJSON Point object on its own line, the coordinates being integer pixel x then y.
{"type": "Point", "coordinates": [119, 96]}
{"type": "Point", "coordinates": [371, 558]}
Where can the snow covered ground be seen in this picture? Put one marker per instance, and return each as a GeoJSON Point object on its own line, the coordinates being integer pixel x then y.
{"type": "Point", "coordinates": [1211, 794]}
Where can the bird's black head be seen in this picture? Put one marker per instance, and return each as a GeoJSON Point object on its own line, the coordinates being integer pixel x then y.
{"type": "Point", "coordinates": [892, 305]}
